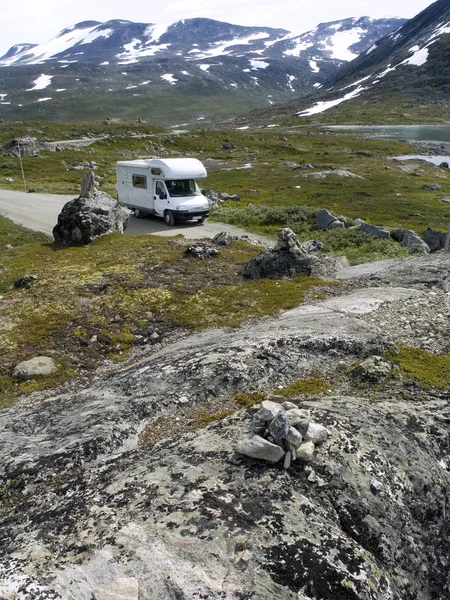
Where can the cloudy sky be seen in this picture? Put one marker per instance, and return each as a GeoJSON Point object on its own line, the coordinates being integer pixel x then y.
{"type": "Point", "coordinates": [37, 21]}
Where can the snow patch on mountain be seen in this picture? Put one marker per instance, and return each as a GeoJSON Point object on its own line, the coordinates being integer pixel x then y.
{"type": "Point", "coordinates": [340, 43]}
{"type": "Point", "coordinates": [41, 83]}
{"type": "Point", "coordinates": [419, 57]}
{"type": "Point", "coordinates": [65, 40]}
{"type": "Point", "coordinates": [320, 107]}
{"type": "Point", "coordinates": [259, 64]}
{"type": "Point", "coordinates": [169, 78]}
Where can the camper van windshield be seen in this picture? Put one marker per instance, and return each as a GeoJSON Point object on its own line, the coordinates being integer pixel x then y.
{"type": "Point", "coordinates": [183, 187]}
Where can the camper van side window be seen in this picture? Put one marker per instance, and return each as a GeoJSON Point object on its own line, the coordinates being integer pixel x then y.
{"type": "Point", "coordinates": [140, 181]}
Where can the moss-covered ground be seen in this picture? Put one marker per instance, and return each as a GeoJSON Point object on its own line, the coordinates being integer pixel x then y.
{"type": "Point", "coordinates": [97, 302]}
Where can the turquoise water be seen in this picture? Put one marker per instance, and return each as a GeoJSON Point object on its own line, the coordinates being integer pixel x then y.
{"type": "Point", "coordinates": [409, 133]}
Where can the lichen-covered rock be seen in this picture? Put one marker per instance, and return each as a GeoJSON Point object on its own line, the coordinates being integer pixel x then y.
{"type": "Point", "coordinates": [89, 217]}
{"type": "Point", "coordinates": [276, 264]}
{"type": "Point", "coordinates": [85, 503]}
{"type": "Point", "coordinates": [258, 447]}
{"type": "Point", "coordinates": [39, 366]}
{"type": "Point", "coordinates": [414, 243]}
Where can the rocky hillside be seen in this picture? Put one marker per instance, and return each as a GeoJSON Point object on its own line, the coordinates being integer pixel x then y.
{"type": "Point", "coordinates": [132, 488]}
{"type": "Point", "coordinates": [411, 62]}
{"type": "Point", "coordinates": [130, 69]}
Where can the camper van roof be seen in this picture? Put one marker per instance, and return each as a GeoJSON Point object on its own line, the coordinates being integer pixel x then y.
{"type": "Point", "coordinates": [171, 168]}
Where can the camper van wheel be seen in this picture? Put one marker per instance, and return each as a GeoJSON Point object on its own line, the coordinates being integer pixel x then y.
{"type": "Point", "coordinates": [138, 213]}
{"type": "Point", "coordinates": [168, 218]}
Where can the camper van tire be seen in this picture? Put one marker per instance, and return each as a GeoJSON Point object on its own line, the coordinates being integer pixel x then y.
{"type": "Point", "coordinates": [138, 213]}
{"type": "Point", "coordinates": [169, 218]}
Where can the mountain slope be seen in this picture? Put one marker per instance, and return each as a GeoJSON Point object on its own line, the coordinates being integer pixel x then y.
{"type": "Point", "coordinates": [191, 69]}
{"type": "Point", "coordinates": [412, 62]}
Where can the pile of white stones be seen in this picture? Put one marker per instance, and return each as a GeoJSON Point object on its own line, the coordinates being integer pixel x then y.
{"type": "Point", "coordinates": [281, 431]}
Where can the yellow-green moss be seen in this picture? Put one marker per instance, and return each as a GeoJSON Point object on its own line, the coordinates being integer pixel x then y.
{"type": "Point", "coordinates": [311, 385]}
{"type": "Point", "coordinates": [430, 370]}
{"type": "Point", "coordinates": [250, 399]}
{"type": "Point", "coordinates": [207, 418]}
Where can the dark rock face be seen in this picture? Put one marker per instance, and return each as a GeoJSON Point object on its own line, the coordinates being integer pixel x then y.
{"type": "Point", "coordinates": [275, 264]}
{"type": "Point", "coordinates": [85, 219]}
{"type": "Point", "coordinates": [434, 239]}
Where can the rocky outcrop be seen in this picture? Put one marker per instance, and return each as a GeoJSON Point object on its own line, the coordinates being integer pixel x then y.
{"type": "Point", "coordinates": [288, 258]}
{"type": "Point", "coordinates": [87, 509]}
{"type": "Point", "coordinates": [90, 216]}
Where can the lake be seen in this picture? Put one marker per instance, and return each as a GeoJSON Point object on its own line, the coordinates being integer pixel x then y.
{"type": "Point", "coordinates": [408, 133]}
{"type": "Point", "coordinates": [438, 135]}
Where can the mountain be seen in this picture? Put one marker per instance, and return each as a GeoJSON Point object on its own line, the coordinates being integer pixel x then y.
{"type": "Point", "coordinates": [411, 62]}
{"type": "Point", "coordinates": [191, 69]}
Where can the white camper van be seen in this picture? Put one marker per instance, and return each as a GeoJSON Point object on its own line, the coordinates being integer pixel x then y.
{"type": "Point", "coordinates": [164, 187]}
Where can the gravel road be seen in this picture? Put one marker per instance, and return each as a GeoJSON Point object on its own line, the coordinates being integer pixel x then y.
{"type": "Point", "coordinates": [40, 212]}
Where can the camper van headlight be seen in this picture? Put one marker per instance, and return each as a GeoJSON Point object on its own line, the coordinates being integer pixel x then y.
{"type": "Point", "coordinates": [182, 207]}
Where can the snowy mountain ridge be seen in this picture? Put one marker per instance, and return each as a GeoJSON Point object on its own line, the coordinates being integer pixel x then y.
{"type": "Point", "coordinates": [193, 68]}
{"type": "Point", "coordinates": [124, 42]}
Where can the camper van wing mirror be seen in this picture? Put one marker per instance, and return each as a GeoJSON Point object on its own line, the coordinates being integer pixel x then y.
{"type": "Point", "coordinates": [162, 195]}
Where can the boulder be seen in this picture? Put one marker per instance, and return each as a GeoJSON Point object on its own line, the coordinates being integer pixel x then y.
{"type": "Point", "coordinates": [372, 369]}
{"type": "Point", "coordinates": [276, 264]}
{"type": "Point", "coordinates": [375, 231]}
{"type": "Point", "coordinates": [414, 243]}
{"type": "Point", "coordinates": [25, 147]}
{"type": "Point", "coordinates": [224, 238]}
{"type": "Point", "coordinates": [258, 447]}
{"type": "Point", "coordinates": [38, 366]}
{"type": "Point", "coordinates": [434, 239]}
{"type": "Point", "coordinates": [201, 250]}
{"type": "Point", "coordinates": [431, 187]}
{"type": "Point", "coordinates": [25, 281]}
{"type": "Point", "coordinates": [324, 219]}
{"type": "Point", "coordinates": [92, 215]}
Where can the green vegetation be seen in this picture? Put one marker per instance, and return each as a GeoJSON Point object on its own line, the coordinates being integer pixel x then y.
{"type": "Point", "coordinates": [97, 302]}
{"type": "Point", "coordinates": [91, 303]}
{"type": "Point", "coordinates": [429, 370]}
{"type": "Point", "coordinates": [310, 385]}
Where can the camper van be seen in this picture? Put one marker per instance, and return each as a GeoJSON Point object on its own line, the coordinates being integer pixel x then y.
{"type": "Point", "coordinates": [164, 187]}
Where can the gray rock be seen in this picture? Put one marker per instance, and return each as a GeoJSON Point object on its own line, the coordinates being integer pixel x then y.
{"type": "Point", "coordinates": [431, 187]}
{"type": "Point", "coordinates": [258, 447]}
{"type": "Point", "coordinates": [287, 460]}
{"type": "Point", "coordinates": [376, 485]}
{"type": "Point", "coordinates": [397, 233]}
{"type": "Point", "coordinates": [201, 250]}
{"type": "Point", "coordinates": [224, 238]}
{"type": "Point", "coordinates": [294, 437]}
{"type": "Point", "coordinates": [375, 231]}
{"type": "Point", "coordinates": [311, 246]}
{"type": "Point", "coordinates": [84, 220]}
{"type": "Point", "coordinates": [414, 243]}
{"type": "Point", "coordinates": [279, 426]}
{"type": "Point", "coordinates": [276, 264]}
{"type": "Point", "coordinates": [269, 410]}
{"type": "Point", "coordinates": [435, 240]}
{"type": "Point", "coordinates": [317, 434]}
{"type": "Point", "coordinates": [305, 451]}
{"type": "Point", "coordinates": [336, 225]}
{"type": "Point", "coordinates": [124, 588]}
{"type": "Point", "coordinates": [25, 281]}
{"type": "Point", "coordinates": [324, 218]}
{"type": "Point", "coordinates": [372, 369]}
{"type": "Point", "coordinates": [38, 366]}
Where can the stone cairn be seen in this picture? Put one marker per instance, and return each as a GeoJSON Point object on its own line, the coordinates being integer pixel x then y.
{"type": "Point", "coordinates": [281, 431]}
